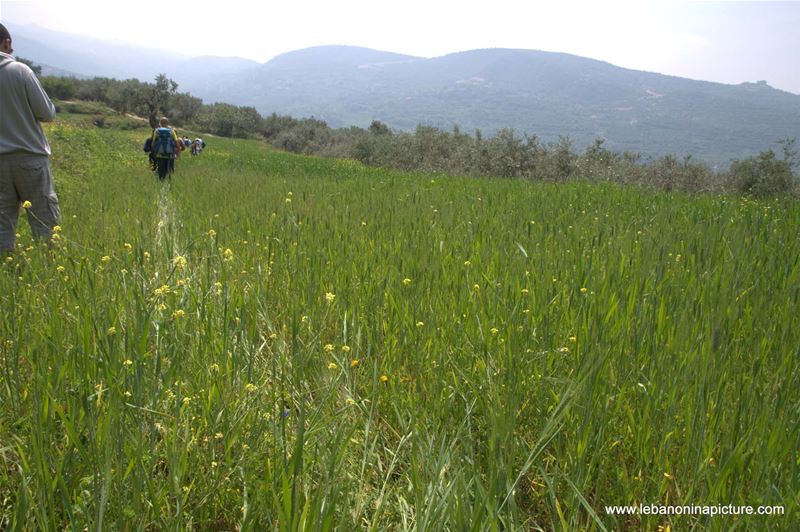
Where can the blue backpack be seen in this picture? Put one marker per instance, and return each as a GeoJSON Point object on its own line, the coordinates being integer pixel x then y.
{"type": "Point", "coordinates": [164, 146]}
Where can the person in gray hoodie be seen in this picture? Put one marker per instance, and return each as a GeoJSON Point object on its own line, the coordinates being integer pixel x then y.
{"type": "Point", "coordinates": [25, 178]}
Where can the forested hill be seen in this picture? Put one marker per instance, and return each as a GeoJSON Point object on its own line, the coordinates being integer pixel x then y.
{"type": "Point", "coordinates": [542, 93]}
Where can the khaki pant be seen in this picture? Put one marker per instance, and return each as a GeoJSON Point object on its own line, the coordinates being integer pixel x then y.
{"type": "Point", "coordinates": [26, 177]}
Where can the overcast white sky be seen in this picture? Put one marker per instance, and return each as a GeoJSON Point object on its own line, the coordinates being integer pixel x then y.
{"type": "Point", "coordinates": [726, 41]}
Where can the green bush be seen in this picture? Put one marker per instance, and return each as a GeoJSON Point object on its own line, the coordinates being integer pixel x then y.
{"type": "Point", "coordinates": [763, 175]}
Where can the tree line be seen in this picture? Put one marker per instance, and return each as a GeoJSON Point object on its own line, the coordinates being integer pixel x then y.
{"type": "Point", "coordinates": [429, 149]}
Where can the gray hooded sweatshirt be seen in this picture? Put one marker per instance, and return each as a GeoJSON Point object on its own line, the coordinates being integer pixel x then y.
{"type": "Point", "coordinates": [23, 104]}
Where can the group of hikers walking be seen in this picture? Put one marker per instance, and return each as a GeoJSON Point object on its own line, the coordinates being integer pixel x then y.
{"type": "Point", "coordinates": [164, 146]}
{"type": "Point", "coordinates": [26, 182]}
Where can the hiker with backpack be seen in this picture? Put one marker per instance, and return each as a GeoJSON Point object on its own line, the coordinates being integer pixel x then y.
{"type": "Point", "coordinates": [197, 146]}
{"type": "Point", "coordinates": [165, 146]}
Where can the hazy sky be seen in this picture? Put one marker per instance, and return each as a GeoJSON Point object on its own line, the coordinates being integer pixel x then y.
{"type": "Point", "coordinates": [730, 41]}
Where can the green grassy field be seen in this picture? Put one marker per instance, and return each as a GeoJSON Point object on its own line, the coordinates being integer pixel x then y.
{"type": "Point", "coordinates": [275, 341]}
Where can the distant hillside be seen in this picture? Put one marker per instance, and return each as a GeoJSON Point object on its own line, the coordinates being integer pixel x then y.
{"type": "Point", "coordinates": [542, 93]}
{"type": "Point", "coordinates": [88, 57]}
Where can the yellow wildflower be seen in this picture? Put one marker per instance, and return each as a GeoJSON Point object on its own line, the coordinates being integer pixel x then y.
{"type": "Point", "coordinates": [406, 281]}
{"type": "Point", "coordinates": [353, 363]}
{"type": "Point", "coordinates": [346, 348]}
{"type": "Point", "coordinates": [328, 348]}
{"type": "Point", "coordinates": [332, 365]}
{"type": "Point", "coordinates": [329, 297]}
{"type": "Point", "coordinates": [26, 204]}
{"type": "Point", "coordinates": [384, 379]}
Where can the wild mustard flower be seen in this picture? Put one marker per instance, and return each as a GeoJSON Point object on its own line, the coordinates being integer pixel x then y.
{"type": "Point", "coordinates": [384, 379]}
{"type": "Point", "coordinates": [328, 348]}
{"type": "Point", "coordinates": [105, 258]}
{"type": "Point", "coordinates": [406, 281]}
{"type": "Point", "coordinates": [332, 365]}
{"type": "Point", "coordinates": [26, 204]}
{"type": "Point", "coordinates": [353, 363]}
{"type": "Point", "coordinates": [329, 297]}
{"type": "Point", "coordinates": [420, 324]}
{"type": "Point", "coordinates": [494, 331]}
{"type": "Point", "coordinates": [128, 247]}
{"type": "Point", "coordinates": [227, 255]}
{"type": "Point", "coordinates": [250, 387]}
{"type": "Point", "coordinates": [584, 290]}
{"type": "Point", "coordinates": [178, 314]}
{"type": "Point", "coordinates": [160, 291]}
{"type": "Point", "coordinates": [346, 348]}
{"type": "Point", "coordinates": [111, 331]}
{"type": "Point", "coordinates": [179, 262]}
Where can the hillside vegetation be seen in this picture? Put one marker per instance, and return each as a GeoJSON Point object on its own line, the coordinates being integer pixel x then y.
{"type": "Point", "coordinates": [275, 341]}
{"type": "Point", "coordinates": [546, 94]}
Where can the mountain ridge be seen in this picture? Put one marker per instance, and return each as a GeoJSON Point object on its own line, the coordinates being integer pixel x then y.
{"type": "Point", "coordinates": [547, 94]}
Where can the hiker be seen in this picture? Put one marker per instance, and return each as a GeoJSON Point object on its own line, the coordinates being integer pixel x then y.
{"type": "Point", "coordinates": [197, 146]}
{"type": "Point", "coordinates": [25, 178]}
{"type": "Point", "coordinates": [165, 146]}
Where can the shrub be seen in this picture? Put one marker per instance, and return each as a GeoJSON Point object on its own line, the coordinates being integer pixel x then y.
{"type": "Point", "coordinates": [763, 175]}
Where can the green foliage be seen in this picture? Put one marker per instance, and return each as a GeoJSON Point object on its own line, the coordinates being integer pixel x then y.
{"type": "Point", "coordinates": [429, 149]}
{"type": "Point", "coordinates": [762, 176]}
{"type": "Point", "coordinates": [182, 358]}
{"type": "Point", "coordinates": [62, 88]}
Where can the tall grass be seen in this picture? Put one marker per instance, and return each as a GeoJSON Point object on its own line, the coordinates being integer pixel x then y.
{"type": "Point", "coordinates": [273, 341]}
